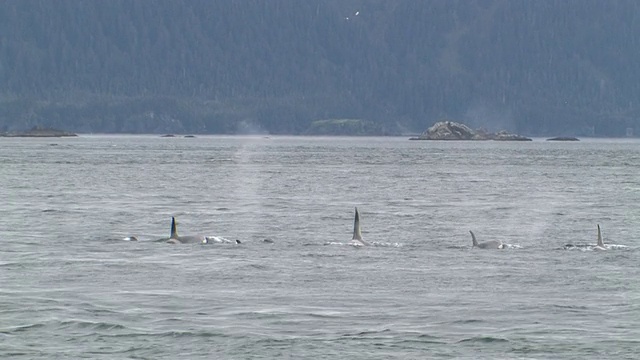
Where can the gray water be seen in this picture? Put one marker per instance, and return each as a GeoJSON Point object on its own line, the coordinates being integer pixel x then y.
{"type": "Point", "coordinates": [70, 287]}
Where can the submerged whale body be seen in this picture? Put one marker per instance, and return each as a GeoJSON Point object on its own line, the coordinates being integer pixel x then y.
{"type": "Point", "coordinates": [492, 244]}
{"type": "Point", "coordinates": [186, 239]}
{"type": "Point", "coordinates": [357, 240]}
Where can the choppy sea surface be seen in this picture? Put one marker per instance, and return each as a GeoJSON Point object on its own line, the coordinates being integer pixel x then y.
{"type": "Point", "coordinates": [71, 287]}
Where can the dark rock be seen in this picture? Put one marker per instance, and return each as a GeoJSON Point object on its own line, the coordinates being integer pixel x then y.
{"type": "Point", "coordinates": [563, 138]}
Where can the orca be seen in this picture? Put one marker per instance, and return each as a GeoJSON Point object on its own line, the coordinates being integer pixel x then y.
{"type": "Point", "coordinates": [357, 240]}
{"type": "Point", "coordinates": [186, 239]}
{"type": "Point", "coordinates": [491, 244]}
{"type": "Point", "coordinates": [600, 246]}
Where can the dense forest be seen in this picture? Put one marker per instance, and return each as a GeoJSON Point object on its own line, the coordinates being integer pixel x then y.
{"type": "Point", "coordinates": [548, 67]}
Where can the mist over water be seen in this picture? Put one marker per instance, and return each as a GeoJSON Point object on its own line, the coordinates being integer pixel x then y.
{"type": "Point", "coordinates": [72, 288]}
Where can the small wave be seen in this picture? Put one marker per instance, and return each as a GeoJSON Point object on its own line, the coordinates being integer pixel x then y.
{"type": "Point", "coordinates": [96, 326]}
{"type": "Point", "coordinates": [368, 332]}
{"type": "Point", "coordinates": [616, 246]}
{"type": "Point", "coordinates": [9, 264]}
{"type": "Point", "coordinates": [511, 246]}
{"type": "Point", "coordinates": [66, 326]}
{"type": "Point", "coordinates": [589, 247]}
{"type": "Point", "coordinates": [219, 240]}
{"type": "Point", "coordinates": [457, 247]}
{"type": "Point", "coordinates": [22, 328]}
{"type": "Point", "coordinates": [281, 314]}
{"type": "Point", "coordinates": [483, 339]}
{"type": "Point", "coordinates": [412, 337]}
{"type": "Point", "coordinates": [119, 239]}
{"type": "Point", "coordinates": [316, 244]}
{"type": "Point", "coordinates": [426, 338]}
{"type": "Point", "coordinates": [163, 334]}
{"type": "Point", "coordinates": [467, 321]}
{"type": "Point", "coordinates": [260, 314]}
{"type": "Point", "coordinates": [570, 307]}
{"type": "Point", "coordinates": [321, 255]}
{"type": "Point", "coordinates": [503, 208]}
{"type": "Point", "coordinates": [575, 247]}
{"type": "Point", "coordinates": [386, 244]}
{"type": "Point", "coordinates": [257, 266]}
{"type": "Point", "coordinates": [181, 334]}
{"type": "Point", "coordinates": [358, 245]}
{"type": "Point", "coordinates": [325, 315]}
{"type": "Point", "coordinates": [336, 243]}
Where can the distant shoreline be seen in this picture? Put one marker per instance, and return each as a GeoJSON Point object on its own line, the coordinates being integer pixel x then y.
{"type": "Point", "coordinates": [272, 136]}
{"type": "Point", "coordinates": [40, 132]}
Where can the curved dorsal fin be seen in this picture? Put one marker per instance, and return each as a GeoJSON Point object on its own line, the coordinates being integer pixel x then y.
{"type": "Point", "coordinates": [357, 235]}
{"type": "Point", "coordinates": [174, 231]}
{"type": "Point", "coordinates": [600, 242]}
{"type": "Point", "coordinates": [473, 238]}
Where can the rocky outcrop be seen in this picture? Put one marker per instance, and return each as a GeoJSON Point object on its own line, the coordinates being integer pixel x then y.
{"type": "Point", "coordinates": [38, 131]}
{"type": "Point", "coordinates": [450, 130]}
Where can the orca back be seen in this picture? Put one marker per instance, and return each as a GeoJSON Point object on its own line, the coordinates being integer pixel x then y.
{"type": "Point", "coordinates": [174, 230]}
{"type": "Point", "coordinates": [600, 242]}
{"type": "Point", "coordinates": [473, 239]}
{"type": "Point", "coordinates": [357, 235]}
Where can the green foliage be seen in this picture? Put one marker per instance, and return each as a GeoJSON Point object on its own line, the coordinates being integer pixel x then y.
{"type": "Point", "coordinates": [199, 66]}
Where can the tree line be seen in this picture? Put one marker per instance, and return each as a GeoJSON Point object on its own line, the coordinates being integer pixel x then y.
{"type": "Point", "coordinates": [553, 67]}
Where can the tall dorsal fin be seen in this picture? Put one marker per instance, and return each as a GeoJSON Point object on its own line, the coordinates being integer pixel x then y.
{"type": "Point", "coordinates": [174, 231]}
{"type": "Point", "coordinates": [600, 242]}
{"type": "Point", "coordinates": [357, 235]}
{"type": "Point", "coordinates": [473, 238]}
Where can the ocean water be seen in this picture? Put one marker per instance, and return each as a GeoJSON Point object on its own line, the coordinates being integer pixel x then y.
{"type": "Point", "coordinates": [71, 287]}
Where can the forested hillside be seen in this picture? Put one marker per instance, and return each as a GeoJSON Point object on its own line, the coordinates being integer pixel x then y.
{"type": "Point", "coordinates": [199, 66]}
